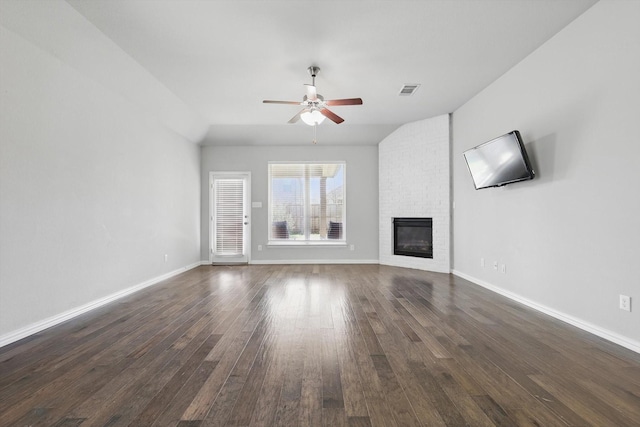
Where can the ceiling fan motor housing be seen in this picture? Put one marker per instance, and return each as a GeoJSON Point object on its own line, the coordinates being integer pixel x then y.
{"type": "Point", "coordinates": [313, 70]}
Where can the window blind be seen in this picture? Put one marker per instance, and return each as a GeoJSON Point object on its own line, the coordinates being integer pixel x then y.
{"type": "Point", "coordinates": [229, 216]}
{"type": "Point", "coordinates": [307, 201]}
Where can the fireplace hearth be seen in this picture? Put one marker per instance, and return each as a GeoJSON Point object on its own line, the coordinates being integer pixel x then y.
{"type": "Point", "coordinates": [413, 237]}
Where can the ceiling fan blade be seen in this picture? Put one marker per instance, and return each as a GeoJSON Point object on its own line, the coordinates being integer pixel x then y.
{"type": "Point", "coordinates": [331, 116]}
{"type": "Point", "coordinates": [348, 101]}
{"type": "Point", "coordinates": [267, 101]}
{"type": "Point", "coordinates": [297, 116]}
{"type": "Point", "coordinates": [312, 94]}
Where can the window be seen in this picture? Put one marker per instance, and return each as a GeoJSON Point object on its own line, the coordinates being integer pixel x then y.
{"type": "Point", "coordinates": [307, 203]}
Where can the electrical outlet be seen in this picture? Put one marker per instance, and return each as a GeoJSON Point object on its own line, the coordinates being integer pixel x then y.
{"type": "Point", "coordinates": [503, 269]}
{"type": "Point", "coordinates": [352, 247]}
{"type": "Point", "coordinates": [625, 302]}
{"type": "Point", "coordinates": [495, 265]}
{"type": "Point", "coordinates": [259, 247]}
{"type": "Point", "coordinates": [482, 262]}
{"type": "Point", "coordinates": [166, 257]}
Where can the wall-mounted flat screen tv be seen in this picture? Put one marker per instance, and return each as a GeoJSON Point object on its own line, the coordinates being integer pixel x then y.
{"type": "Point", "coordinates": [499, 162]}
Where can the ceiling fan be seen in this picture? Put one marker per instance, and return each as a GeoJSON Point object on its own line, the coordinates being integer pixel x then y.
{"type": "Point", "coordinates": [315, 106]}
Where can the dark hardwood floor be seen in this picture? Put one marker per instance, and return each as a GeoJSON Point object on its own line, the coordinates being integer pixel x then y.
{"type": "Point", "coordinates": [312, 345]}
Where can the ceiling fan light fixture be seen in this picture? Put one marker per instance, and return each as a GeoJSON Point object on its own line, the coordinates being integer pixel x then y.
{"type": "Point", "coordinates": [312, 118]}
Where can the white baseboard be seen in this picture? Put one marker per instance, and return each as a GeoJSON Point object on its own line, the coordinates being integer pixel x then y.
{"type": "Point", "coordinates": [74, 312]}
{"type": "Point", "coordinates": [314, 261]}
{"type": "Point", "coordinates": [579, 323]}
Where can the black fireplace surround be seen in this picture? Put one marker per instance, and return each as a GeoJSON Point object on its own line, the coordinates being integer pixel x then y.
{"type": "Point", "coordinates": [413, 237]}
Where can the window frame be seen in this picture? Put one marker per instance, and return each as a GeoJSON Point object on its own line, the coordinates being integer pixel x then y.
{"type": "Point", "coordinates": [342, 242]}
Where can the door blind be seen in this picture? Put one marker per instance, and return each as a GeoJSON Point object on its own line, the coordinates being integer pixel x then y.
{"type": "Point", "coordinates": [229, 216]}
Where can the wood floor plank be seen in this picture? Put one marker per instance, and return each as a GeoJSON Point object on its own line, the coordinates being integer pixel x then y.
{"type": "Point", "coordinates": [310, 413]}
{"type": "Point", "coordinates": [402, 410]}
{"type": "Point", "coordinates": [445, 410]}
{"type": "Point", "coordinates": [223, 401]}
{"type": "Point", "coordinates": [175, 388]}
{"type": "Point", "coordinates": [583, 402]}
{"type": "Point", "coordinates": [458, 395]}
{"type": "Point", "coordinates": [495, 412]}
{"type": "Point", "coordinates": [246, 401]}
{"type": "Point", "coordinates": [317, 345]}
{"type": "Point", "coordinates": [398, 351]}
{"type": "Point", "coordinates": [377, 406]}
{"type": "Point", "coordinates": [354, 400]}
{"type": "Point", "coordinates": [334, 417]}
{"type": "Point", "coordinates": [288, 406]}
{"type": "Point", "coordinates": [124, 387]}
{"type": "Point", "coordinates": [225, 356]}
{"type": "Point", "coordinates": [264, 409]}
{"type": "Point", "coordinates": [285, 340]}
{"type": "Point", "coordinates": [331, 382]}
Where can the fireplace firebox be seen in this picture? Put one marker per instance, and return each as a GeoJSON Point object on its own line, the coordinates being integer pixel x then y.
{"type": "Point", "coordinates": [413, 237]}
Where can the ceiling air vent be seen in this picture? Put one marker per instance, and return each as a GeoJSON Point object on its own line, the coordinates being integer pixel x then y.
{"type": "Point", "coordinates": [409, 89]}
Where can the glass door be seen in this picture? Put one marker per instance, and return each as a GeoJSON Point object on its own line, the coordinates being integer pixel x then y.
{"type": "Point", "coordinates": [229, 219]}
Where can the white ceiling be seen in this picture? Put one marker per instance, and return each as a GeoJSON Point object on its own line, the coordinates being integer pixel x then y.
{"type": "Point", "coordinates": [222, 58]}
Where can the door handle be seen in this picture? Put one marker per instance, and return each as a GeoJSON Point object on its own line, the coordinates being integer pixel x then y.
{"type": "Point", "coordinates": [246, 223]}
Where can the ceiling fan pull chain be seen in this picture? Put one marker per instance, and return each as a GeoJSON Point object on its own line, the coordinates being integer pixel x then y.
{"type": "Point", "coordinates": [315, 129]}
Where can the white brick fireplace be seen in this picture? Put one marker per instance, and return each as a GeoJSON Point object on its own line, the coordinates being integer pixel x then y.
{"type": "Point", "coordinates": [414, 182]}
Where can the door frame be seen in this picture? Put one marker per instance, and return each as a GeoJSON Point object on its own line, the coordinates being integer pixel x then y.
{"type": "Point", "coordinates": [247, 208]}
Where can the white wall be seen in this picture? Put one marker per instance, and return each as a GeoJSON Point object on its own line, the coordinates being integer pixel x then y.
{"type": "Point", "coordinates": [569, 238]}
{"type": "Point", "coordinates": [57, 28]}
{"type": "Point", "coordinates": [414, 182]}
{"type": "Point", "coordinates": [93, 189]}
{"type": "Point", "coordinates": [361, 198]}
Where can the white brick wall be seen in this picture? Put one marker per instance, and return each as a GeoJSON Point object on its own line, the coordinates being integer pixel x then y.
{"type": "Point", "coordinates": [414, 182]}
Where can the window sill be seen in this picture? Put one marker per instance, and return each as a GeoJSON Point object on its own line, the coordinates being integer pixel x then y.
{"type": "Point", "coordinates": [306, 243]}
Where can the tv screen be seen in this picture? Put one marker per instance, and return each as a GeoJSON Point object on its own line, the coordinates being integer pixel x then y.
{"type": "Point", "coordinates": [498, 162]}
